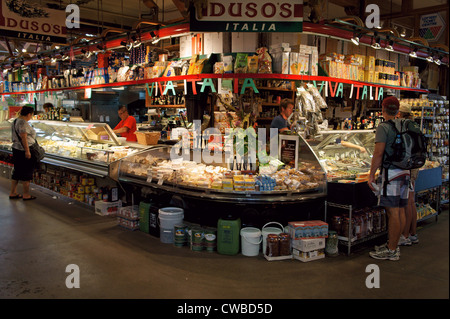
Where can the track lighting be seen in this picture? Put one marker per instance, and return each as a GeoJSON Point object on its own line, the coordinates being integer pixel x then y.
{"type": "Point", "coordinates": [438, 61]}
{"type": "Point", "coordinates": [376, 45]}
{"type": "Point", "coordinates": [413, 53]}
{"type": "Point", "coordinates": [155, 38]}
{"type": "Point", "coordinates": [356, 38]}
{"type": "Point", "coordinates": [403, 33]}
{"type": "Point", "coordinates": [390, 44]}
{"type": "Point", "coordinates": [430, 56]}
{"type": "Point", "coordinates": [53, 60]}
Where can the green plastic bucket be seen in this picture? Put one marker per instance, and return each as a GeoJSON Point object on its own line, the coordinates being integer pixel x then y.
{"type": "Point", "coordinates": [228, 235]}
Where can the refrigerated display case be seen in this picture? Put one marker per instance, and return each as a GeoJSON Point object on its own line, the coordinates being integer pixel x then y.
{"type": "Point", "coordinates": [218, 181]}
{"type": "Point", "coordinates": [85, 147]}
{"type": "Point", "coordinates": [344, 154]}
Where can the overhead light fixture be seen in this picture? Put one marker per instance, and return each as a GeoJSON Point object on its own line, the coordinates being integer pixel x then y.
{"type": "Point", "coordinates": [155, 38]}
{"type": "Point", "coordinates": [390, 46]}
{"type": "Point", "coordinates": [430, 56]}
{"type": "Point", "coordinates": [24, 50]}
{"type": "Point", "coordinates": [376, 45]}
{"type": "Point", "coordinates": [88, 54]}
{"type": "Point", "coordinates": [356, 38]}
{"type": "Point", "coordinates": [39, 58]}
{"type": "Point", "coordinates": [129, 46]}
{"type": "Point", "coordinates": [413, 53]}
{"type": "Point", "coordinates": [23, 66]}
{"type": "Point", "coordinates": [53, 60]}
{"type": "Point", "coordinates": [403, 33]}
{"type": "Point", "coordinates": [64, 56]}
{"type": "Point", "coordinates": [123, 43]}
{"type": "Point", "coordinates": [438, 61]}
{"type": "Point", "coordinates": [136, 42]}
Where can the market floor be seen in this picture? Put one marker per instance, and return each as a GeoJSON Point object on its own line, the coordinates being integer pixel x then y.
{"type": "Point", "coordinates": [40, 238]}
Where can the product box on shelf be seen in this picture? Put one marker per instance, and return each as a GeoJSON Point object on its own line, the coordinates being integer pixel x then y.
{"type": "Point", "coordinates": [107, 208]}
{"type": "Point", "coordinates": [306, 245]}
{"type": "Point", "coordinates": [308, 256]}
{"type": "Point", "coordinates": [307, 229]}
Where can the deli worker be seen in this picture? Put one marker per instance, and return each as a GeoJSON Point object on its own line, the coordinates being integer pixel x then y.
{"type": "Point", "coordinates": [127, 125]}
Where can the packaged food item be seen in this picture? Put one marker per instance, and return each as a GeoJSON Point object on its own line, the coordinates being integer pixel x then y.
{"type": "Point", "coordinates": [273, 245]}
{"type": "Point", "coordinates": [240, 65]}
{"type": "Point", "coordinates": [264, 60]}
{"type": "Point", "coordinates": [219, 68]}
{"type": "Point", "coordinates": [228, 64]}
{"type": "Point", "coordinates": [293, 63]}
{"type": "Point", "coordinates": [198, 66]}
{"type": "Point", "coordinates": [252, 64]}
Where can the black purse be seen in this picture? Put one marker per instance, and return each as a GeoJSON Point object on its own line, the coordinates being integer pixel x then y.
{"type": "Point", "coordinates": [37, 151]}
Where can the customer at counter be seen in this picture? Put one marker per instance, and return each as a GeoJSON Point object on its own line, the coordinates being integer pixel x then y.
{"type": "Point", "coordinates": [127, 125]}
{"type": "Point", "coordinates": [23, 137]}
{"type": "Point", "coordinates": [280, 121]}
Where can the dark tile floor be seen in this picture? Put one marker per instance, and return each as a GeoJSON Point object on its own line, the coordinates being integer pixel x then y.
{"type": "Point", "coordinates": [39, 239]}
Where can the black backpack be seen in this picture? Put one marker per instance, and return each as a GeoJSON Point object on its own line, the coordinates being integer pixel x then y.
{"type": "Point", "coordinates": [410, 147]}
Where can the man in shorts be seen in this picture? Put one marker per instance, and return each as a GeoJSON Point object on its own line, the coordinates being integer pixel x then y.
{"type": "Point", "coordinates": [393, 187]}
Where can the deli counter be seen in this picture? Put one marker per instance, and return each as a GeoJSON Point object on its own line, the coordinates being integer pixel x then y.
{"type": "Point", "coordinates": [85, 147]}
{"type": "Point", "coordinates": [163, 167]}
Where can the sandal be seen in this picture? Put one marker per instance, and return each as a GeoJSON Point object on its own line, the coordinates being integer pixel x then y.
{"type": "Point", "coordinates": [30, 198]}
{"type": "Point", "coordinates": [15, 196]}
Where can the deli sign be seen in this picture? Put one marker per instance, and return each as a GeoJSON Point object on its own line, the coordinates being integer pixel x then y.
{"type": "Point", "coordinates": [26, 21]}
{"type": "Point", "coordinates": [249, 16]}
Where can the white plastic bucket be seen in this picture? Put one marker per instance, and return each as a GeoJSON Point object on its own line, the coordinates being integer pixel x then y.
{"type": "Point", "coordinates": [250, 241]}
{"type": "Point", "coordinates": [168, 218]}
{"type": "Point", "coordinates": [270, 230]}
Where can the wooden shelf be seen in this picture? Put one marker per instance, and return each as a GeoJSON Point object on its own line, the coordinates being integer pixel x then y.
{"type": "Point", "coordinates": [172, 106]}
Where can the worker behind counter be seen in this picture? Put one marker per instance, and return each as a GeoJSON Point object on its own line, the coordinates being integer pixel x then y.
{"type": "Point", "coordinates": [127, 125]}
{"type": "Point", "coordinates": [280, 121]}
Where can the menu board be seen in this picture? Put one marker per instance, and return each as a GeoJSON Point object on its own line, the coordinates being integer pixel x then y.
{"type": "Point", "coordinates": [288, 149]}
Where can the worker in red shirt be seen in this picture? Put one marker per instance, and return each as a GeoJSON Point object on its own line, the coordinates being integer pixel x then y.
{"type": "Point", "coordinates": [127, 125]}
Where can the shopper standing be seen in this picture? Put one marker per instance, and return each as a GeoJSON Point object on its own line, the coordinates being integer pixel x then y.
{"type": "Point", "coordinates": [127, 125]}
{"type": "Point", "coordinates": [409, 235]}
{"type": "Point", "coordinates": [280, 121]}
{"type": "Point", "coordinates": [393, 189]}
{"type": "Point", "coordinates": [23, 137]}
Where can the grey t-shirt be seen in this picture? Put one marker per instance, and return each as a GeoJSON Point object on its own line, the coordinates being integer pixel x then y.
{"type": "Point", "coordinates": [279, 122]}
{"type": "Point", "coordinates": [385, 133]}
{"type": "Point", "coordinates": [21, 126]}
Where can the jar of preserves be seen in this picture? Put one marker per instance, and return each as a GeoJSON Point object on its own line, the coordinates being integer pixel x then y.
{"type": "Point", "coordinates": [331, 247]}
{"type": "Point", "coordinates": [336, 224]}
{"type": "Point", "coordinates": [273, 245]}
{"type": "Point", "coordinates": [284, 244]}
{"type": "Point", "coordinates": [376, 221]}
{"type": "Point", "coordinates": [348, 227]}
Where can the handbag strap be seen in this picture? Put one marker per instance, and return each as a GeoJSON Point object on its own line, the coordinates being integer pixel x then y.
{"type": "Point", "coordinates": [20, 139]}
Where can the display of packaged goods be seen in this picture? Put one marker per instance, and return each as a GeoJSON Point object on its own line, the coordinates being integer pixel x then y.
{"type": "Point", "coordinates": [308, 256]}
{"type": "Point", "coordinates": [107, 208]}
{"type": "Point", "coordinates": [128, 224]}
{"type": "Point", "coordinates": [129, 212]}
{"type": "Point", "coordinates": [307, 229]}
{"type": "Point", "coordinates": [306, 245]}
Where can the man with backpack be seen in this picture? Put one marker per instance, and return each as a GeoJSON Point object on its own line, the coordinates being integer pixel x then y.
{"type": "Point", "coordinates": [398, 149]}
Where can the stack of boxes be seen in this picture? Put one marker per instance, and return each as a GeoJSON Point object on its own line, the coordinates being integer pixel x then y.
{"type": "Point", "coordinates": [128, 217]}
{"type": "Point", "coordinates": [308, 239]}
{"type": "Point", "coordinates": [294, 60]}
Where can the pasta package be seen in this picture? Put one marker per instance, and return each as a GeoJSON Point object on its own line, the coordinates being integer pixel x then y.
{"type": "Point", "coordinates": [252, 64]}
{"type": "Point", "coordinates": [219, 68]}
{"type": "Point", "coordinates": [264, 60]}
{"type": "Point", "coordinates": [240, 65]}
{"type": "Point", "coordinates": [228, 64]}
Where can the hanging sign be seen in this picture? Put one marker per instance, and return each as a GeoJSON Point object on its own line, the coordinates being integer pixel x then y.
{"type": "Point", "coordinates": [28, 21]}
{"type": "Point", "coordinates": [431, 27]}
{"type": "Point", "coordinates": [248, 16]}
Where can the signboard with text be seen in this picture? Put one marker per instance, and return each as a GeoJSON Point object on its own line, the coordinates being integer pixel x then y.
{"type": "Point", "coordinates": [26, 20]}
{"type": "Point", "coordinates": [249, 16]}
{"type": "Point", "coordinates": [431, 27]}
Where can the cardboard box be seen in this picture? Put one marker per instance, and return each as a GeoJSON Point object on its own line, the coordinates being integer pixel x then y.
{"type": "Point", "coordinates": [308, 229]}
{"type": "Point", "coordinates": [308, 256]}
{"type": "Point", "coordinates": [370, 63]}
{"type": "Point", "coordinates": [306, 245]}
{"type": "Point", "coordinates": [107, 208]}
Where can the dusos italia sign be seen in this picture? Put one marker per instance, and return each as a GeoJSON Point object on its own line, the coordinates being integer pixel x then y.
{"type": "Point", "coordinates": [28, 21]}
{"type": "Point", "coordinates": [249, 16]}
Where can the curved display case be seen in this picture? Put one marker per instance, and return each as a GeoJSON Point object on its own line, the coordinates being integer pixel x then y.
{"type": "Point", "coordinates": [293, 182]}
{"type": "Point", "coordinates": [85, 147]}
{"type": "Point", "coordinates": [344, 154]}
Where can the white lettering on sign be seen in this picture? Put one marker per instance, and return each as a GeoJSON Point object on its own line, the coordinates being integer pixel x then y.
{"type": "Point", "coordinates": [229, 10]}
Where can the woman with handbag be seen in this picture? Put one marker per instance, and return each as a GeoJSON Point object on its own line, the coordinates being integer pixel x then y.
{"type": "Point", "coordinates": [23, 137]}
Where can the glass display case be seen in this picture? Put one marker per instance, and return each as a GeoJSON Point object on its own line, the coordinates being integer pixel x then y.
{"type": "Point", "coordinates": [299, 178]}
{"type": "Point", "coordinates": [86, 147]}
{"type": "Point", "coordinates": [345, 153]}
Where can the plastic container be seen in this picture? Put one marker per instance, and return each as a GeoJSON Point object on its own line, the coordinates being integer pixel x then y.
{"type": "Point", "coordinates": [144, 209]}
{"type": "Point", "coordinates": [228, 235]}
{"type": "Point", "coordinates": [270, 230]}
{"type": "Point", "coordinates": [168, 218]}
{"type": "Point", "coordinates": [250, 241]}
